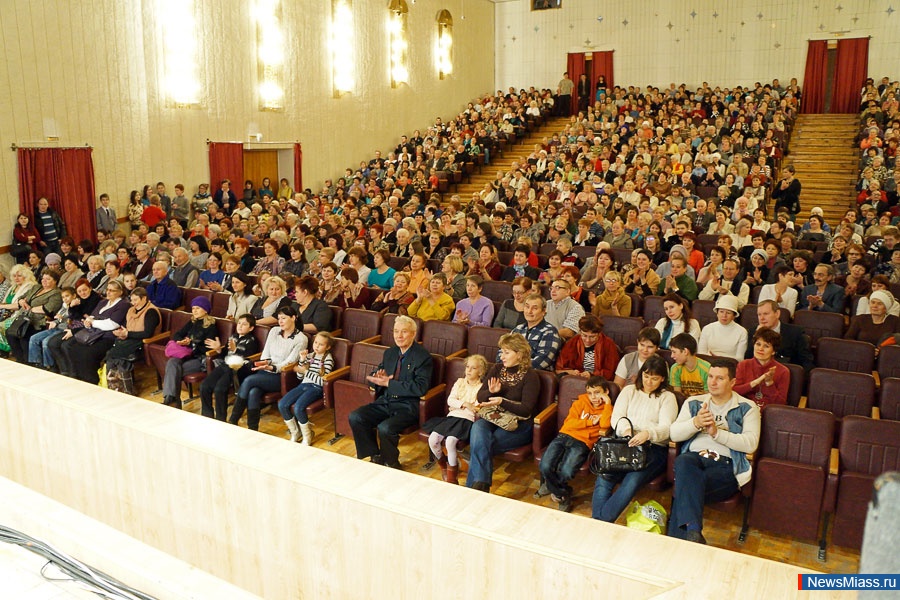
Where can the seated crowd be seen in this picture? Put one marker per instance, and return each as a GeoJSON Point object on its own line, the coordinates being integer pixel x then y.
{"type": "Point", "coordinates": [647, 193]}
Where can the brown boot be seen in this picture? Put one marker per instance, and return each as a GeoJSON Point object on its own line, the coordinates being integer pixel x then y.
{"type": "Point", "coordinates": [452, 474]}
{"type": "Point", "coordinates": [442, 463]}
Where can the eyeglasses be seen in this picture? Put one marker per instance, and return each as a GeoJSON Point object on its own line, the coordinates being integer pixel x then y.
{"type": "Point", "coordinates": [611, 281]}
{"type": "Point", "coordinates": [559, 287]}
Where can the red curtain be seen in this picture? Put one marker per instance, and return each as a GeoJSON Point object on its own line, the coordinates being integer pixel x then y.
{"type": "Point", "coordinates": [850, 71]}
{"type": "Point", "coordinates": [815, 76]}
{"type": "Point", "coordinates": [65, 176]}
{"type": "Point", "coordinates": [226, 161]}
{"type": "Point", "coordinates": [603, 65]}
{"type": "Point", "coordinates": [298, 168]}
{"type": "Point", "coordinates": [575, 67]}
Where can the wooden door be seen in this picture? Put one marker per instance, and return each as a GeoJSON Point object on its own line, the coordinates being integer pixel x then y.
{"type": "Point", "coordinates": [257, 165]}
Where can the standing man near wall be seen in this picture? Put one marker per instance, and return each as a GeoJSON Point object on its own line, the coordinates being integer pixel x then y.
{"type": "Point", "coordinates": [566, 86]}
{"type": "Point", "coordinates": [49, 225]}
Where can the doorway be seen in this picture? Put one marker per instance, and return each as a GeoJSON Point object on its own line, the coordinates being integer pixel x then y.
{"type": "Point", "coordinates": [259, 164]}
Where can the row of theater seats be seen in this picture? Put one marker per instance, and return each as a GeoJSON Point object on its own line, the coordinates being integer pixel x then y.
{"type": "Point", "coordinates": [838, 402]}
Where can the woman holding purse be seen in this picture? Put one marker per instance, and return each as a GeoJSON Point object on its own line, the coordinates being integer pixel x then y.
{"type": "Point", "coordinates": [187, 350]}
{"type": "Point", "coordinates": [37, 306]}
{"type": "Point", "coordinates": [86, 347]}
{"type": "Point", "coordinates": [651, 408]}
{"type": "Point", "coordinates": [513, 386]}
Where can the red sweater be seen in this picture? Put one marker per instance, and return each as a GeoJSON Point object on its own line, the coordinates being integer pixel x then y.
{"type": "Point", "coordinates": [750, 369]}
{"type": "Point", "coordinates": [606, 356]}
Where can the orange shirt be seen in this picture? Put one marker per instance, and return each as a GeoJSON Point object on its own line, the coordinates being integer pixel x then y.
{"type": "Point", "coordinates": [578, 422]}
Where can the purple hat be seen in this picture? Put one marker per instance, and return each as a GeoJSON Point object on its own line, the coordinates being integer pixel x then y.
{"type": "Point", "coordinates": [203, 302]}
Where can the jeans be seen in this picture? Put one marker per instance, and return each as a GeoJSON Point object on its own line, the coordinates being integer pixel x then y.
{"type": "Point", "coordinates": [560, 462]}
{"type": "Point", "coordinates": [258, 385]}
{"type": "Point", "coordinates": [698, 480]}
{"type": "Point", "coordinates": [387, 421]}
{"type": "Point", "coordinates": [607, 505]}
{"type": "Point", "coordinates": [486, 440]}
{"type": "Point", "coordinates": [299, 399]}
{"type": "Point", "coordinates": [39, 347]}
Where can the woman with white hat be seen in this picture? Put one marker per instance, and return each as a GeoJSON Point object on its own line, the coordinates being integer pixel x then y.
{"type": "Point", "coordinates": [724, 337]}
{"type": "Point", "coordinates": [878, 323]}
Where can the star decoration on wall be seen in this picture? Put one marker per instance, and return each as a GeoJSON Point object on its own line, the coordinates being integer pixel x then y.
{"type": "Point", "coordinates": [839, 8]}
{"type": "Point", "coordinates": [733, 37]}
{"type": "Point", "coordinates": [693, 14]}
{"type": "Point", "coordinates": [587, 42]}
{"type": "Point", "coordinates": [716, 15]}
{"type": "Point", "coordinates": [855, 19]}
{"type": "Point", "coordinates": [513, 38]}
{"type": "Point", "coordinates": [759, 16]}
{"type": "Point", "coordinates": [670, 26]}
{"type": "Point", "coordinates": [599, 18]}
{"type": "Point", "coordinates": [625, 22]}
{"type": "Point", "coordinates": [677, 40]}
{"type": "Point", "coordinates": [536, 28]}
{"type": "Point", "coordinates": [890, 10]}
{"type": "Point", "coordinates": [777, 45]}
{"type": "Point", "coordinates": [743, 23]}
{"type": "Point", "coordinates": [821, 27]}
{"type": "Point", "coordinates": [571, 26]}
{"type": "Point", "coordinates": [720, 31]}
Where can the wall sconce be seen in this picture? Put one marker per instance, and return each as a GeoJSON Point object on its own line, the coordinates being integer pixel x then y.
{"type": "Point", "coordinates": [398, 43]}
{"type": "Point", "coordinates": [269, 54]}
{"type": "Point", "coordinates": [342, 47]}
{"type": "Point", "coordinates": [181, 81]}
{"type": "Point", "coordinates": [444, 43]}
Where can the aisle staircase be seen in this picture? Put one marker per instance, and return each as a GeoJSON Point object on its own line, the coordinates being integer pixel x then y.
{"type": "Point", "coordinates": [826, 158]}
{"type": "Point", "coordinates": [517, 152]}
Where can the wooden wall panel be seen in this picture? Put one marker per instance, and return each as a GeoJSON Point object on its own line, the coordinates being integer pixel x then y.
{"type": "Point", "coordinates": [283, 520]}
{"type": "Point", "coordinates": [93, 67]}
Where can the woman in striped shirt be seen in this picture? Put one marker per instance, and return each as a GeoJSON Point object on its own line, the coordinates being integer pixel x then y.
{"type": "Point", "coordinates": [312, 369]}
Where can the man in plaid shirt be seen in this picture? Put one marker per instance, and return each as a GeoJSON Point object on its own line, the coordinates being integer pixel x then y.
{"type": "Point", "coordinates": [541, 335]}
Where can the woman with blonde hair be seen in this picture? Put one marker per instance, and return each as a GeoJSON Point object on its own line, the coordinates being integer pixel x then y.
{"type": "Point", "coordinates": [23, 282]}
{"type": "Point", "coordinates": [512, 385]}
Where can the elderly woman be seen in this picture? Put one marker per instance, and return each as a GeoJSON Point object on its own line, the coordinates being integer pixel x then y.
{"type": "Point", "coordinates": [879, 283]}
{"type": "Point", "coordinates": [82, 305]}
{"type": "Point", "coordinates": [193, 337]}
{"type": "Point", "coordinates": [113, 273]}
{"type": "Point", "coordinates": [433, 304]}
{"type": "Point", "coordinates": [329, 286]}
{"type": "Point", "coordinates": [475, 309]}
{"type": "Point", "coordinates": [276, 297]}
{"type": "Point", "coordinates": [85, 354]}
{"type": "Point", "coordinates": [595, 270]}
{"type": "Point", "coordinates": [651, 408]}
{"type": "Point", "coordinates": [23, 282]}
{"type": "Point", "coordinates": [42, 302]}
{"type": "Point", "coordinates": [613, 302]}
{"type": "Point", "coordinates": [95, 273]}
{"type": "Point", "coordinates": [142, 321]}
{"type": "Point", "coordinates": [398, 298]}
{"type": "Point", "coordinates": [513, 386]}
{"type": "Point", "coordinates": [762, 378]}
{"type": "Point", "coordinates": [314, 313]}
{"type": "Point", "coordinates": [873, 327]}
{"type": "Point", "coordinates": [282, 349]}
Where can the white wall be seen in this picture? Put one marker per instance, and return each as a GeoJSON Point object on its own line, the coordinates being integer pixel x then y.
{"type": "Point", "coordinates": [736, 47]}
{"type": "Point", "coordinates": [91, 67]}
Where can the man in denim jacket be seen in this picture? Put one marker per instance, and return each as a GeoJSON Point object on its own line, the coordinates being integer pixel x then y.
{"type": "Point", "coordinates": [718, 429]}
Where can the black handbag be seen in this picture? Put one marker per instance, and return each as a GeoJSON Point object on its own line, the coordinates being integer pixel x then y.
{"type": "Point", "coordinates": [20, 326]}
{"type": "Point", "coordinates": [88, 336]}
{"type": "Point", "coordinates": [612, 454]}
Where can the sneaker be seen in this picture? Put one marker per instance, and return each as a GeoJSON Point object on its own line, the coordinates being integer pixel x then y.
{"type": "Point", "coordinates": [542, 491]}
{"type": "Point", "coordinates": [565, 504]}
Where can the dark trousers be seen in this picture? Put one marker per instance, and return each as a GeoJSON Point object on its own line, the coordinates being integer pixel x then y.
{"type": "Point", "coordinates": [59, 357]}
{"type": "Point", "coordinates": [561, 461]}
{"type": "Point", "coordinates": [380, 424]}
{"type": "Point", "coordinates": [19, 346]}
{"type": "Point", "coordinates": [698, 480]}
{"type": "Point", "coordinates": [564, 105]}
{"type": "Point", "coordinates": [86, 360]}
{"type": "Point", "coordinates": [216, 384]}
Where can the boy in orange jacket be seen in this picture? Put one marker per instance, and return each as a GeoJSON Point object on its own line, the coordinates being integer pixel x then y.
{"type": "Point", "coordinates": [588, 418]}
